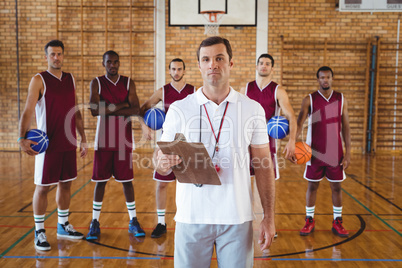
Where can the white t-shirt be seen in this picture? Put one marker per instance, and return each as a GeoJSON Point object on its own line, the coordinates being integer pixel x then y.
{"type": "Point", "coordinates": [244, 124]}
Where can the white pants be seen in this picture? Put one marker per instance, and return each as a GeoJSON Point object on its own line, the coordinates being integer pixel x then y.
{"type": "Point", "coordinates": [194, 245]}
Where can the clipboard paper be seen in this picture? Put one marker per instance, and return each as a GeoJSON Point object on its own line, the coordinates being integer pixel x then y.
{"type": "Point", "coordinates": [196, 167]}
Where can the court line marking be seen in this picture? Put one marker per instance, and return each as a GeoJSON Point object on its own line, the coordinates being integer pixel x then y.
{"type": "Point", "coordinates": [33, 228]}
{"type": "Point", "coordinates": [157, 258]}
{"type": "Point", "coordinates": [353, 177]}
{"type": "Point", "coordinates": [279, 214]}
{"type": "Point", "coordinates": [30, 203]}
{"type": "Point", "coordinates": [172, 229]}
{"type": "Point", "coordinates": [310, 259]}
{"type": "Point", "coordinates": [257, 213]}
{"type": "Point", "coordinates": [375, 215]}
{"type": "Point", "coordinates": [52, 188]}
{"type": "Point", "coordinates": [264, 257]}
{"type": "Point", "coordinates": [358, 233]}
{"type": "Point", "coordinates": [81, 257]}
{"type": "Point", "coordinates": [168, 256]}
{"type": "Point", "coordinates": [15, 216]}
{"type": "Point", "coordinates": [129, 251]}
{"type": "Point", "coordinates": [350, 238]}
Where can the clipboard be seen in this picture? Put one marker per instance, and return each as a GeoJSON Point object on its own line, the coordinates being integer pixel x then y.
{"type": "Point", "coordinates": [196, 167]}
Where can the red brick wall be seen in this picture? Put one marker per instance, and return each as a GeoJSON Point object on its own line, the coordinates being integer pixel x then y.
{"type": "Point", "coordinates": [298, 21]}
{"type": "Point", "coordinates": [8, 76]}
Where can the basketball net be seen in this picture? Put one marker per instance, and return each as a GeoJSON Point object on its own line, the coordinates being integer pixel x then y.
{"type": "Point", "coordinates": [212, 25]}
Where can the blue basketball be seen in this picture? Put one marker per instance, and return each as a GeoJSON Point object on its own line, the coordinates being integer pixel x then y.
{"type": "Point", "coordinates": [40, 137]}
{"type": "Point", "coordinates": [278, 127]}
{"type": "Point", "coordinates": [154, 118]}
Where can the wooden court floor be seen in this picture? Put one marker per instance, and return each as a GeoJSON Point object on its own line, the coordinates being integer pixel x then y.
{"type": "Point", "coordinates": [372, 212]}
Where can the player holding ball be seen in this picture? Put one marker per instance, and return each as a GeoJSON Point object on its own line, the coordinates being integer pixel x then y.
{"type": "Point", "coordinates": [327, 111]}
{"type": "Point", "coordinates": [52, 94]}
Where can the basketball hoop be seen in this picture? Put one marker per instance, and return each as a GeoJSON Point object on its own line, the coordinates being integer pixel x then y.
{"type": "Point", "coordinates": [212, 17]}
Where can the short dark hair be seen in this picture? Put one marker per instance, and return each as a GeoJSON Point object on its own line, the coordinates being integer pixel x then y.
{"type": "Point", "coordinates": [54, 43]}
{"type": "Point", "coordinates": [266, 55]}
{"type": "Point", "coordinates": [178, 60]}
{"type": "Point", "coordinates": [325, 68]}
{"type": "Point", "coordinates": [214, 40]}
{"type": "Point", "coordinates": [110, 52]}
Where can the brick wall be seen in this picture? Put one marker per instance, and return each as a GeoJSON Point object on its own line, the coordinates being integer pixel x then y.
{"type": "Point", "coordinates": [348, 34]}
{"type": "Point", "coordinates": [305, 27]}
{"type": "Point", "coordinates": [8, 76]}
{"type": "Point", "coordinates": [298, 21]}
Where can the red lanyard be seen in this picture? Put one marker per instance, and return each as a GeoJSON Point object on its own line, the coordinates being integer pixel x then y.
{"type": "Point", "coordinates": [220, 127]}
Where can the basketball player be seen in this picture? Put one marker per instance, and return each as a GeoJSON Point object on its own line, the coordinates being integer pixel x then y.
{"type": "Point", "coordinates": [327, 111]}
{"type": "Point", "coordinates": [113, 100]}
{"type": "Point", "coordinates": [177, 89]}
{"type": "Point", "coordinates": [273, 98]}
{"type": "Point", "coordinates": [52, 94]}
{"type": "Point", "coordinates": [228, 124]}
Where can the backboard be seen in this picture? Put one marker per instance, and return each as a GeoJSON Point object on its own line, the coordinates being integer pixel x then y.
{"type": "Point", "coordinates": [189, 12]}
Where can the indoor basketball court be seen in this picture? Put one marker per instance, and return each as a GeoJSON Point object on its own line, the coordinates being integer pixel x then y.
{"type": "Point", "coordinates": [358, 39]}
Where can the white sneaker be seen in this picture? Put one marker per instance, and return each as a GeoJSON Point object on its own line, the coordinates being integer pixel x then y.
{"type": "Point", "coordinates": [41, 240]}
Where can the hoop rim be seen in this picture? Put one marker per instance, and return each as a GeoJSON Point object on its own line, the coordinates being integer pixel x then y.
{"type": "Point", "coordinates": [213, 16]}
{"type": "Point", "coordinates": [212, 12]}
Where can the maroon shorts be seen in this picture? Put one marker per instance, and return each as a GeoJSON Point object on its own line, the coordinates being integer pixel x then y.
{"type": "Point", "coordinates": [318, 172]}
{"type": "Point", "coordinates": [169, 178]}
{"type": "Point", "coordinates": [118, 164]}
{"type": "Point", "coordinates": [54, 167]}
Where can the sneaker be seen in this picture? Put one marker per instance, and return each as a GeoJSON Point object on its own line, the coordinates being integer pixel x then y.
{"type": "Point", "coordinates": [67, 231]}
{"type": "Point", "coordinates": [94, 230]}
{"type": "Point", "coordinates": [159, 230]}
{"type": "Point", "coordinates": [135, 228]}
{"type": "Point", "coordinates": [276, 235]}
{"type": "Point", "coordinates": [338, 229]}
{"type": "Point", "coordinates": [309, 227]}
{"type": "Point", "coordinates": [41, 240]}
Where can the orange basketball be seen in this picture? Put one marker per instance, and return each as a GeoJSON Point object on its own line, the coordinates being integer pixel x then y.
{"type": "Point", "coordinates": [302, 152]}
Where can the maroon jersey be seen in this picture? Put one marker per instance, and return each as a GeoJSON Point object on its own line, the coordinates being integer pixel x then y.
{"type": "Point", "coordinates": [113, 133]}
{"type": "Point", "coordinates": [55, 111]}
{"type": "Point", "coordinates": [171, 94]}
{"type": "Point", "coordinates": [324, 129]}
{"type": "Point", "coordinates": [267, 98]}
